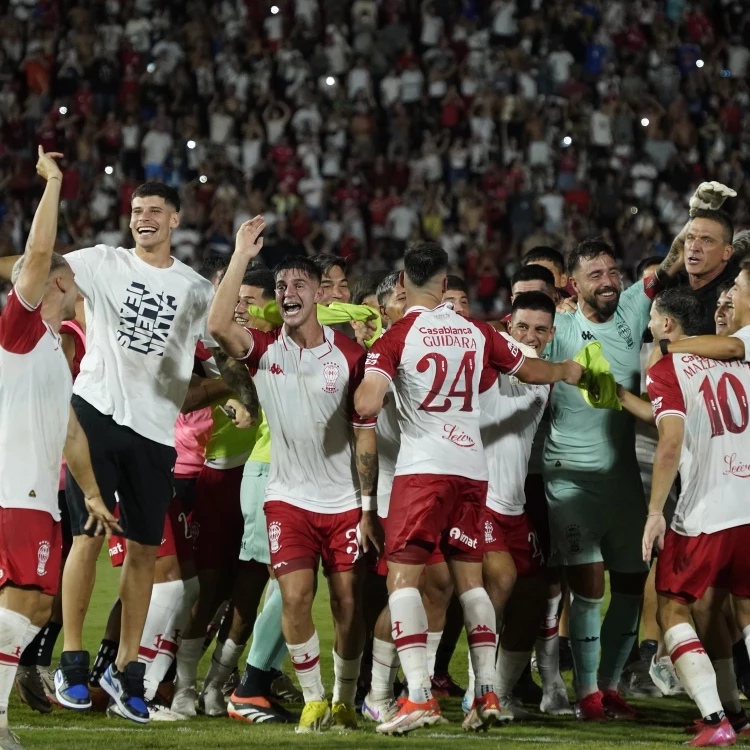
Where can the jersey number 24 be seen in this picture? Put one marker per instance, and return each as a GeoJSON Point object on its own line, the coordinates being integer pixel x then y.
{"type": "Point", "coordinates": [462, 386]}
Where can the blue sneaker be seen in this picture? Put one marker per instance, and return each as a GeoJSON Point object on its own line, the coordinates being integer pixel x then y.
{"type": "Point", "coordinates": [126, 690]}
{"type": "Point", "coordinates": [71, 678]}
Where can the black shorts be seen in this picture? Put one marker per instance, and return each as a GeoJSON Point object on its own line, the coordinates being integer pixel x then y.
{"type": "Point", "coordinates": [139, 470]}
{"type": "Point", "coordinates": [184, 491]}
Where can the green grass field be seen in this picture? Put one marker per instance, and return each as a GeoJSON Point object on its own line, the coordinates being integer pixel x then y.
{"type": "Point", "coordinates": [661, 724]}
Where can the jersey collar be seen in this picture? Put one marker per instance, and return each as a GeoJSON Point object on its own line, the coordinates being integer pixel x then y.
{"type": "Point", "coordinates": [319, 351]}
{"type": "Point", "coordinates": [422, 308]}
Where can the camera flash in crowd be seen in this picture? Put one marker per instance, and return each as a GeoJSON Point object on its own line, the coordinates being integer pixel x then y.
{"type": "Point", "coordinates": [191, 144]}
{"type": "Point", "coordinates": [645, 122]}
{"type": "Point", "coordinates": [567, 140]}
{"type": "Point", "coordinates": [699, 63]}
{"type": "Point", "coordinates": [63, 110]}
{"type": "Point", "coordinates": [330, 80]}
{"type": "Point", "coordinates": [203, 179]}
{"type": "Point", "coordinates": [274, 9]}
{"type": "Point", "coordinates": [151, 67]}
{"type": "Point", "coordinates": [108, 170]}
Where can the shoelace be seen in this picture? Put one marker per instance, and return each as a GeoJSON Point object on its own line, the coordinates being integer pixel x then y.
{"type": "Point", "coordinates": [134, 686]}
{"type": "Point", "coordinates": [76, 675]}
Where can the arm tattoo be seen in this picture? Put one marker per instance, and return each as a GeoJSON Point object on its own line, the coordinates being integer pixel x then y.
{"type": "Point", "coordinates": [367, 468]}
{"type": "Point", "coordinates": [236, 376]}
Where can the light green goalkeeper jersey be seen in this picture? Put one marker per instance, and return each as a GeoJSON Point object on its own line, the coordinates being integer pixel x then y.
{"type": "Point", "coordinates": [583, 439]}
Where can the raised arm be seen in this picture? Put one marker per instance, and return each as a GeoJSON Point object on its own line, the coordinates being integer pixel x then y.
{"type": "Point", "coordinates": [234, 340]}
{"type": "Point", "coordinates": [41, 243]}
{"type": "Point", "coordinates": [237, 379]}
{"type": "Point", "coordinates": [6, 266]}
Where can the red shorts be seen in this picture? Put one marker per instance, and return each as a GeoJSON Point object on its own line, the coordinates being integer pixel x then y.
{"type": "Point", "coordinates": [536, 508]}
{"type": "Point", "coordinates": [381, 568]}
{"type": "Point", "coordinates": [30, 549]}
{"type": "Point", "coordinates": [297, 537]}
{"type": "Point", "coordinates": [516, 535]}
{"type": "Point", "coordinates": [688, 565]}
{"type": "Point", "coordinates": [176, 538]}
{"type": "Point", "coordinates": [437, 509]}
{"type": "Point", "coordinates": [216, 521]}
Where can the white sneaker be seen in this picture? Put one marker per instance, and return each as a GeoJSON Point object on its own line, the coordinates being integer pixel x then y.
{"type": "Point", "coordinates": [664, 677]}
{"type": "Point", "coordinates": [556, 702]}
{"type": "Point", "coordinates": [9, 740]}
{"type": "Point", "coordinates": [379, 711]}
{"type": "Point", "coordinates": [183, 702]}
{"type": "Point", "coordinates": [636, 682]}
{"type": "Point", "coordinates": [158, 712]}
{"type": "Point", "coordinates": [213, 701]}
{"type": "Point", "coordinates": [511, 705]}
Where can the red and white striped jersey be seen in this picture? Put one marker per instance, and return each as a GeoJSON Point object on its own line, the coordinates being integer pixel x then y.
{"type": "Point", "coordinates": [712, 398]}
{"type": "Point", "coordinates": [436, 359]}
{"type": "Point", "coordinates": [308, 399]}
{"type": "Point", "coordinates": [35, 390]}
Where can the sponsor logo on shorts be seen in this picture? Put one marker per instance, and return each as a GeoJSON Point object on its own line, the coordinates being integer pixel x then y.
{"type": "Point", "coordinates": [458, 535]}
{"type": "Point", "coordinates": [274, 532]}
{"type": "Point", "coordinates": [458, 437]}
{"type": "Point", "coordinates": [42, 557]}
{"type": "Point", "coordinates": [331, 372]}
{"type": "Point", "coordinates": [735, 467]}
{"type": "Point", "coordinates": [117, 549]}
{"type": "Point", "coordinates": [276, 369]}
{"type": "Point", "coordinates": [489, 537]}
{"type": "Point", "coordinates": [573, 537]}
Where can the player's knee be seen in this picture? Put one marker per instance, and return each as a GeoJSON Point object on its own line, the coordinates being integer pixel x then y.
{"type": "Point", "coordinates": [344, 606]}
{"type": "Point", "coordinates": [297, 599]}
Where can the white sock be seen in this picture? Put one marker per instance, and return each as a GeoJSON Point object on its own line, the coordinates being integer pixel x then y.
{"type": "Point", "coordinates": [693, 667]}
{"type": "Point", "coordinates": [470, 686]}
{"type": "Point", "coordinates": [510, 666]}
{"type": "Point", "coordinates": [306, 662]}
{"type": "Point", "coordinates": [385, 665]}
{"type": "Point", "coordinates": [31, 633]}
{"type": "Point", "coordinates": [409, 621]}
{"type": "Point", "coordinates": [345, 676]}
{"type": "Point", "coordinates": [13, 628]}
{"type": "Point", "coordinates": [188, 656]}
{"type": "Point", "coordinates": [225, 658]}
{"type": "Point", "coordinates": [479, 619]}
{"type": "Point", "coordinates": [433, 641]}
{"type": "Point", "coordinates": [726, 685]}
{"type": "Point", "coordinates": [158, 651]}
{"type": "Point", "coordinates": [548, 647]}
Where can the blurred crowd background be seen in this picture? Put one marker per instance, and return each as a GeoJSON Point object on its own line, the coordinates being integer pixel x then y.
{"type": "Point", "coordinates": [358, 126]}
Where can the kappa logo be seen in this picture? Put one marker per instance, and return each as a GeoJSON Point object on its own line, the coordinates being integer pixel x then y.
{"type": "Point", "coordinates": [331, 372]}
{"type": "Point", "coordinates": [489, 536]}
{"type": "Point", "coordinates": [588, 336]}
{"type": "Point", "coordinates": [276, 369]}
{"type": "Point", "coordinates": [274, 532]}
{"type": "Point", "coordinates": [42, 557]}
{"type": "Point", "coordinates": [459, 536]}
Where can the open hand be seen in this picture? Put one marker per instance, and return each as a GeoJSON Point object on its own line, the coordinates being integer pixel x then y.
{"type": "Point", "coordinates": [656, 528]}
{"type": "Point", "coordinates": [249, 242]}
{"type": "Point", "coordinates": [710, 195]}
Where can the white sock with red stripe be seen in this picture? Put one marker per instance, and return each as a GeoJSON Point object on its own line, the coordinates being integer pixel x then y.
{"type": "Point", "coordinates": [170, 641]}
{"type": "Point", "coordinates": [693, 667]}
{"type": "Point", "coordinates": [345, 675]}
{"type": "Point", "coordinates": [306, 662]}
{"type": "Point", "coordinates": [409, 621]}
{"type": "Point", "coordinates": [479, 619]}
{"type": "Point", "coordinates": [385, 665]}
{"type": "Point", "coordinates": [509, 668]}
{"type": "Point", "coordinates": [13, 628]}
{"type": "Point", "coordinates": [433, 641]}
{"type": "Point", "coordinates": [548, 647]}
{"type": "Point", "coordinates": [726, 685]}
{"type": "Point", "coordinates": [224, 661]}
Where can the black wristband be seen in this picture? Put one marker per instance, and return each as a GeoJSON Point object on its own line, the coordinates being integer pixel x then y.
{"type": "Point", "coordinates": [663, 344]}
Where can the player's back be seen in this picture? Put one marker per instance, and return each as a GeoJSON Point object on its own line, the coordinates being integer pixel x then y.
{"type": "Point", "coordinates": [712, 397]}
{"type": "Point", "coordinates": [438, 357]}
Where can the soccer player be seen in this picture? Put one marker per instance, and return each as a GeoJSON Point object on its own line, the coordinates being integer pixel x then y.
{"type": "Point", "coordinates": [305, 375]}
{"type": "Point", "coordinates": [146, 312]}
{"type": "Point", "coordinates": [533, 278]}
{"type": "Point", "coordinates": [335, 285]}
{"type": "Point", "coordinates": [595, 496]}
{"type": "Point", "coordinates": [36, 425]}
{"type": "Point", "coordinates": [437, 358]}
{"type": "Point", "coordinates": [550, 259]}
{"type": "Point", "coordinates": [700, 408]}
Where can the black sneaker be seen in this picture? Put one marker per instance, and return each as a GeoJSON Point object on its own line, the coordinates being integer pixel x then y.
{"type": "Point", "coordinates": [71, 680]}
{"type": "Point", "coordinates": [126, 690]}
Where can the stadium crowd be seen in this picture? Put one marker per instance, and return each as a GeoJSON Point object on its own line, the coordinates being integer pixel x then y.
{"type": "Point", "coordinates": [516, 161]}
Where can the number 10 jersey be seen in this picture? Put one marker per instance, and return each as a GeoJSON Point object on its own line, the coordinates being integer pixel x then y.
{"type": "Point", "coordinates": [711, 397]}
{"type": "Point", "coordinates": [436, 359]}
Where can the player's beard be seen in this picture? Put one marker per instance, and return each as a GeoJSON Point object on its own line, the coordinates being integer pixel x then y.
{"type": "Point", "coordinates": [605, 308]}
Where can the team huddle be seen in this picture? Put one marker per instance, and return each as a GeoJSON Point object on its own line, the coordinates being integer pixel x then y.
{"type": "Point", "coordinates": [484, 474]}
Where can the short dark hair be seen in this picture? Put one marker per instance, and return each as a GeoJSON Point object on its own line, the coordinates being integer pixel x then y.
{"type": "Point", "coordinates": [386, 286]}
{"type": "Point", "coordinates": [298, 263]}
{"type": "Point", "coordinates": [261, 278]}
{"type": "Point", "coordinates": [365, 286]}
{"type": "Point", "coordinates": [456, 284]}
{"type": "Point", "coordinates": [326, 261]}
{"type": "Point", "coordinates": [720, 217]}
{"type": "Point", "coordinates": [423, 261]}
{"type": "Point", "coordinates": [680, 303]}
{"type": "Point", "coordinates": [533, 301]}
{"type": "Point", "coordinates": [588, 250]}
{"type": "Point", "coordinates": [170, 195]}
{"type": "Point", "coordinates": [533, 272]}
{"type": "Point", "coordinates": [724, 287]}
{"type": "Point", "coordinates": [652, 260]}
{"type": "Point", "coordinates": [544, 252]}
{"type": "Point", "coordinates": [745, 265]}
{"type": "Point", "coordinates": [741, 242]}
{"type": "Point", "coordinates": [212, 264]}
